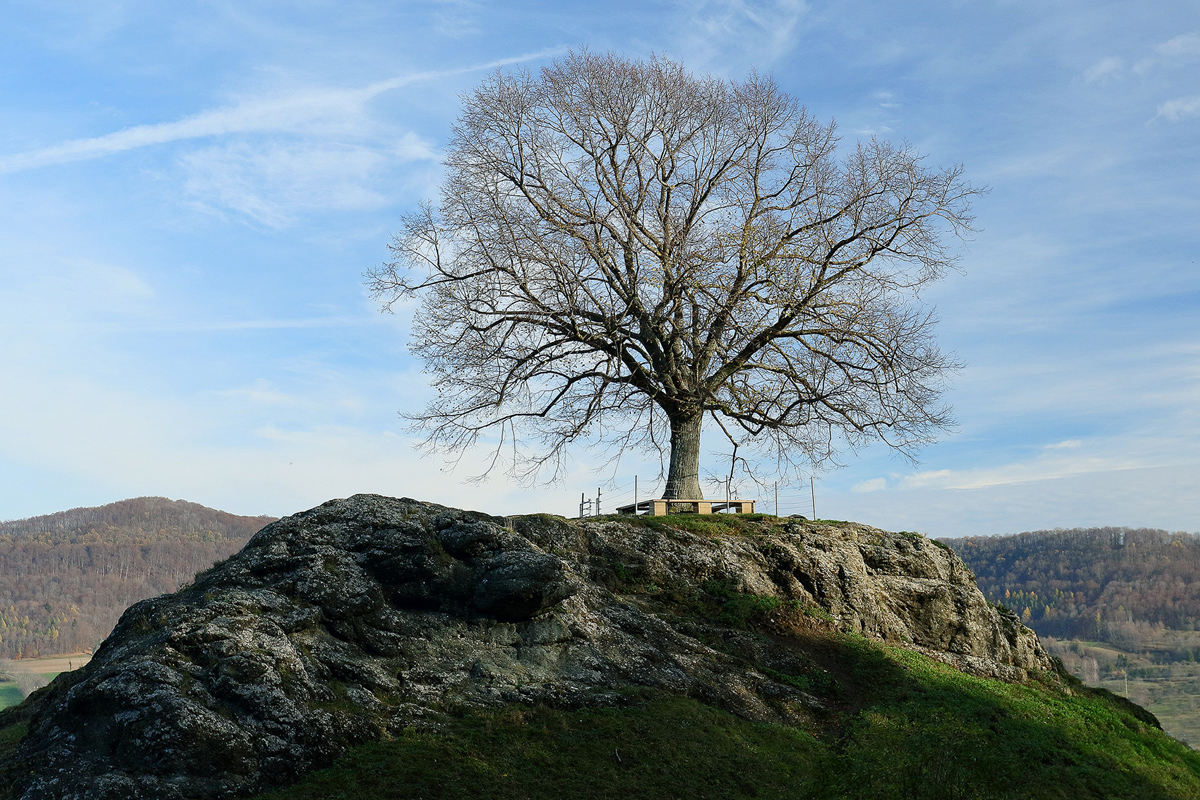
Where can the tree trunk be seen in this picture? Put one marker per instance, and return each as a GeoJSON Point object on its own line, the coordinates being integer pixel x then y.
{"type": "Point", "coordinates": [683, 476]}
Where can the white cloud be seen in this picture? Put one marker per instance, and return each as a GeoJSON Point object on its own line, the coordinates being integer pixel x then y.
{"type": "Point", "coordinates": [936, 477]}
{"type": "Point", "coordinates": [1164, 497]}
{"type": "Point", "coordinates": [1103, 69]}
{"type": "Point", "coordinates": [456, 18]}
{"type": "Point", "coordinates": [873, 485]}
{"type": "Point", "coordinates": [275, 182]}
{"type": "Point", "coordinates": [331, 110]}
{"type": "Point", "coordinates": [887, 100]}
{"type": "Point", "coordinates": [1052, 464]}
{"type": "Point", "coordinates": [1181, 47]}
{"type": "Point", "coordinates": [1181, 108]}
{"type": "Point", "coordinates": [762, 31]}
{"type": "Point", "coordinates": [1065, 445]}
{"type": "Point", "coordinates": [289, 113]}
{"type": "Point", "coordinates": [276, 158]}
{"type": "Point", "coordinates": [261, 392]}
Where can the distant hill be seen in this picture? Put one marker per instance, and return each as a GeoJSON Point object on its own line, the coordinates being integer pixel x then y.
{"type": "Point", "coordinates": [1095, 583]}
{"type": "Point", "coordinates": [65, 578]}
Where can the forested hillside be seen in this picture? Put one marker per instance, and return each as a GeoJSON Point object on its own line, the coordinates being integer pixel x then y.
{"type": "Point", "coordinates": [65, 578]}
{"type": "Point", "coordinates": [1120, 607]}
{"type": "Point", "coordinates": [1098, 583]}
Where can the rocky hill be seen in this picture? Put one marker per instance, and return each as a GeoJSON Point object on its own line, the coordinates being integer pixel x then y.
{"type": "Point", "coordinates": [368, 618]}
{"type": "Point", "coordinates": [66, 577]}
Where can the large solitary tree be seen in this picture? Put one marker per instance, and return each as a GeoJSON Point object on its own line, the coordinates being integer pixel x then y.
{"type": "Point", "coordinates": [624, 249]}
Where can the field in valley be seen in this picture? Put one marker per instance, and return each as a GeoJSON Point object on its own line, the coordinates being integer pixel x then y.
{"type": "Point", "coordinates": [19, 677]}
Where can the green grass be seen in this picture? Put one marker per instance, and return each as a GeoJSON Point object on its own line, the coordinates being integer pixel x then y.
{"type": "Point", "coordinates": [901, 726]}
{"type": "Point", "coordinates": [938, 732]}
{"type": "Point", "coordinates": [1168, 689]}
{"type": "Point", "coordinates": [10, 695]}
{"type": "Point", "coordinates": [660, 748]}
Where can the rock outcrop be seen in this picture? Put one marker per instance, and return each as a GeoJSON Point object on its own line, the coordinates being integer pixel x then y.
{"type": "Point", "coordinates": [367, 615]}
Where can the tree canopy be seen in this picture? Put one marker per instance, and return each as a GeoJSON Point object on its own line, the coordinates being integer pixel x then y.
{"type": "Point", "coordinates": [624, 249]}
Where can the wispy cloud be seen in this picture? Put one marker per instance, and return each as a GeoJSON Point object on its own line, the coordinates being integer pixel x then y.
{"type": "Point", "coordinates": [273, 183]}
{"type": "Point", "coordinates": [1180, 49]}
{"type": "Point", "coordinates": [1185, 46]}
{"type": "Point", "coordinates": [1103, 70]}
{"type": "Point", "coordinates": [766, 31]}
{"type": "Point", "coordinates": [47, 289]}
{"type": "Point", "coordinates": [1049, 467]}
{"type": "Point", "coordinates": [289, 113]}
{"type": "Point", "coordinates": [456, 18]}
{"type": "Point", "coordinates": [1165, 497]}
{"type": "Point", "coordinates": [937, 477]}
{"type": "Point", "coordinates": [873, 485]}
{"type": "Point", "coordinates": [260, 393]}
{"type": "Point", "coordinates": [1181, 108]}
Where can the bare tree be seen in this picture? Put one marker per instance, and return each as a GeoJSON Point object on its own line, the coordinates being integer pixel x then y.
{"type": "Point", "coordinates": [623, 248]}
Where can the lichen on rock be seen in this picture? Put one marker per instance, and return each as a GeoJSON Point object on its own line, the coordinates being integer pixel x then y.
{"type": "Point", "coordinates": [364, 616]}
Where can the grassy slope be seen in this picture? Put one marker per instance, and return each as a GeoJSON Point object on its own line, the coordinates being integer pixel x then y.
{"type": "Point", "coordinates": [1168, 689]}
{"type": "Point", "coordinates": [900, 726]}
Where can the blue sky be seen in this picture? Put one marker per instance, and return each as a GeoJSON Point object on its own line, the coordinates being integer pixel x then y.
{"type": "Point", "coordinates": [190, 193]}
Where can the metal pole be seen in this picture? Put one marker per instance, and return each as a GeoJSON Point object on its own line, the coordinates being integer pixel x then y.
{"type": "Point", "coordinates": [597, 501]}
{"type": "Point", "coordinates": [635, 508]}
{"type": "Point", "coordinates": [581, 495]}
{"type": "Point", "coordinates": [813, 489]}
{"type": "Point", "coordinates": [777, 498]}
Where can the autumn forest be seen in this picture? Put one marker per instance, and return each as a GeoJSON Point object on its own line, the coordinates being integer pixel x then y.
{"type": "Point", "coordinates": [65, 578]}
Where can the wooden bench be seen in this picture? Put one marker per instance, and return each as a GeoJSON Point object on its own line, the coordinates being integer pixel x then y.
{"type": "Point", "coordinates": [661, 507]}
